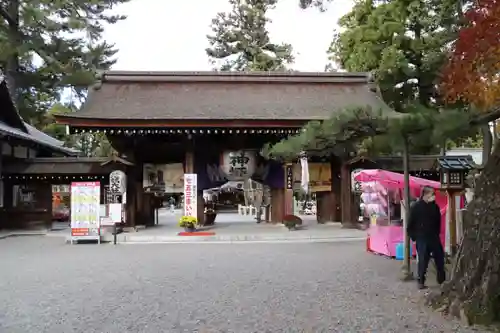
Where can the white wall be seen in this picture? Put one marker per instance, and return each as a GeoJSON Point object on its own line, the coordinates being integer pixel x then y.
{"type": "Point", "coordinates": [476, 153]}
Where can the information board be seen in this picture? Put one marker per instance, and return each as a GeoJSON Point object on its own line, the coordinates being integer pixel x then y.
{"type": "Point", "coordinates": [85, 209]}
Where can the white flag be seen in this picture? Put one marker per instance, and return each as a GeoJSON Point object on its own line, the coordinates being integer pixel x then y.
{"type": "Point", "coordinates": [304, 182]}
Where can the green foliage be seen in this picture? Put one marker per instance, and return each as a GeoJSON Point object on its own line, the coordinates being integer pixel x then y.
{"type": "Point", "coordinates": [402, 42]}
{"type": "Point", "coordinates": [240, 40]}
{"type": "Point", "coordinates": [50, 127]}
{"type": "Point", "coordinates": [93, 145]}
{"type": "Point", "coordinates": [49, 46]}
{"type": "Point", "coordinates": [90, 144]}
{"type": "Point", "coordinates": [349, 129]}
{"type": "Point", "coordinates": [324, 137]}
{"type": "Point", "coordinates": [473, 141]}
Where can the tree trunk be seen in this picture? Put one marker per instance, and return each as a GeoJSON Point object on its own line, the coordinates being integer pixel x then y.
{"type": "Point", "coordinates": [487, 142]}
{"type": "Point", "coordinates": [495, 132]}
{"type": "Point", "coordinates": [12, 63]}
{"type": "Point", "coordinates": [473, 292]}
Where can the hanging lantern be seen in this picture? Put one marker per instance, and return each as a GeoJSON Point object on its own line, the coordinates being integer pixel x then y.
{"type": "Point", "coordinates": [239, 165]}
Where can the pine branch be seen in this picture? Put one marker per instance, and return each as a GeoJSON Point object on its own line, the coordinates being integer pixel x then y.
{"type": "Point", "coordinates": [41, 46]}
{"type": "Point", "coordinates": [6, 16]}
{"type": "Point", "coordinates": [486, 118]}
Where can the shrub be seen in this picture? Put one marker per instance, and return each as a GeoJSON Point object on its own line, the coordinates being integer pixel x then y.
{"type": "Point", "coordinates": [187, 221]}
{"type": "Point", "coordinates": [291, 221]}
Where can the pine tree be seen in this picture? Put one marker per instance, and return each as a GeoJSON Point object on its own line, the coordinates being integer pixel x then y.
{"type": "Point", "coordinates": [47, 46]}
{"type": "Point", "coordinates": [240, 40]}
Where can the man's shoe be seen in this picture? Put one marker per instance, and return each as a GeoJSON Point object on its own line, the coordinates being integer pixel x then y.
{"type": "Point", "coordinates": [421, 286]}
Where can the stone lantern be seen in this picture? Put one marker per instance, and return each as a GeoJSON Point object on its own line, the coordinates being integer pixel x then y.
{"type": "Point", "coordinates": [453, 171]}
{"type": "Point", "coordinates": [453, 176]}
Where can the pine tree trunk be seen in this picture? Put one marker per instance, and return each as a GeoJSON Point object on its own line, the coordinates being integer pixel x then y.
{"type": "Point", "coordinates": [473, 292]}
{"type": "Point", "coordinates": [487, 142]}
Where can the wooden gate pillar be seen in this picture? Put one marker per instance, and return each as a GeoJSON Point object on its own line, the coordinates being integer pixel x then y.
{"type": "Point", "coordinates": [131, 208]}
{"type": "Point", "coordinates": [346, 201]}
{"type": "Point", "coordinates": [277, 205]}
{"type": "Point", "coordinates": [336, 192]}
{"type": "Point", "coordinates": [45, 196]}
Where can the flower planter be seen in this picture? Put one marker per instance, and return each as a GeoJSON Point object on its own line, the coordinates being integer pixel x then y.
{"type": "Point", "coordinates": [189, 229]}
{"type": "Point", "coordinates": [291, 222]}
{"type": "Point", "coordinates": [188, 223]}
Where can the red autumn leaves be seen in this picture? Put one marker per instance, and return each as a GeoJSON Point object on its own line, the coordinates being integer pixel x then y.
{"type": "Point", "coordinates": [473, 71]}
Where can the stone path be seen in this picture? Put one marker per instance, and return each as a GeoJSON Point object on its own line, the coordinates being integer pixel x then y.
{"type": "Point", "coordinates": [232, 227]}
{"type": "Point", "coordinates": [229, 228]}
{"type": "Point", "coordinates": [18, 233]}
{"type": "Point", "coordinates": [47, 286]}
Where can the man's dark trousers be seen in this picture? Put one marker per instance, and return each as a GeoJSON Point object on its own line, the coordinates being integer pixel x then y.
{"type": "Point", "coordinates": [427, 247]}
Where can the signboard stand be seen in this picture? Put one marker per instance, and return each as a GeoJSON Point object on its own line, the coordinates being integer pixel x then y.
{"type": "Point", "coordinates": [85, 211]}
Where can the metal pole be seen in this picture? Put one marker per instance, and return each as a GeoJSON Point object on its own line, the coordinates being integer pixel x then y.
{"type": "Point", "coordinates": [114, 233]}
{"type": "Point", "coordinates": [406, 269]}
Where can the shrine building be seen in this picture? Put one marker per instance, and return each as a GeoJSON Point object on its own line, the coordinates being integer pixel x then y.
{"type": "Point", "coordinates": [32, 162]}
{"type": "Point", "coordinates": [215, 124]}
{"type": "Point", "coordinates": [19, 141]}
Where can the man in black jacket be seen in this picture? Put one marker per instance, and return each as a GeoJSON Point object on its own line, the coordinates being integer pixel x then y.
{"type": "Point", "coordinates": [424, 228]}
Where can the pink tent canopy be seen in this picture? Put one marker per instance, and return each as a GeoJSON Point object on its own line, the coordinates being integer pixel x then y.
{"type": "Point", "coordinates": [396, 181]}
{"type": "Point", "coordinates": [393, 180]}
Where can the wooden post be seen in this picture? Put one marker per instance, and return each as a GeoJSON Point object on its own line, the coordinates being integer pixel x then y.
{"type": "Point", "coordinates": [141, 216]}
{"type": "Point", "coordinates": [44, 195]}
{"type": "Point", "coordinates": [406, 269]}
{"type": "Point", "coordinates": [289, 189]}
{"type": "Point", "coordinates": [131, 205]}
{"type": "Point", "coordinates": [189, 162]}
{"type": "Point", "coordinates": [453, 221]}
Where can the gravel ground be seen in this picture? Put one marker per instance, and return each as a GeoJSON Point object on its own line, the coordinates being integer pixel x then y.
{"type": "Point", "coordinates": [48, 286]}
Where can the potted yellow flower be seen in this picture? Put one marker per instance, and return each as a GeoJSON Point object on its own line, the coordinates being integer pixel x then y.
{"type": "Point", "coordinates": [188, 223]}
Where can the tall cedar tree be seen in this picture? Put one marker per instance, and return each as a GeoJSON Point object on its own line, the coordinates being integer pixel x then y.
{"type": "Point", "coordinates": [403, 43]}
{"type": "Point", "coordinates": [46, 46]}
{"type": "Point", "coordinates": [472, 76]}
{"type": "Point", "coordinates": [240, 40]}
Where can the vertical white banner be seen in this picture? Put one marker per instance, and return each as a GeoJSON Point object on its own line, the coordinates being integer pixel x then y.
{"type": "Point", "coordinates": [304, 180]}
{"type": "Point", "coordinates": [190, 194]}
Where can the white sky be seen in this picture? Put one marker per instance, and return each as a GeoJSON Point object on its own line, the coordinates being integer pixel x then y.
{"type": "Point", "coordinates": [171, 35]}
